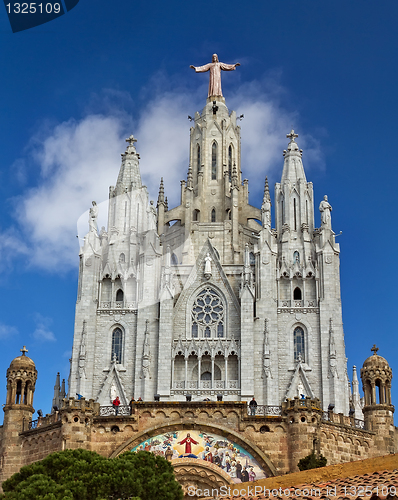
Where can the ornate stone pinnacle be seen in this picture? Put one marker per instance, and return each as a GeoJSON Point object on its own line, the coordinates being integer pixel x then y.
{"type": "Point", "coordinates": [161, 191]}
{"type": "Point", "coordinates": [374, 349]}
{"type": "Point", "coordinates": [189, 177]}
{"type": "Point", "coordinates": [292, 136]}
{"type": "Point", "coordinates": [24, 350]}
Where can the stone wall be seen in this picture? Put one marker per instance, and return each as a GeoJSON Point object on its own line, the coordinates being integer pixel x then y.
{"type": "Point", "coordinates": [276, 442]}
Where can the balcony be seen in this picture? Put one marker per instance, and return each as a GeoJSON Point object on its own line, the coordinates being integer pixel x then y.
{"type": "Point", "coordinates": [206, 387]}
{"type": "Point", "coordinates": [304, 306]}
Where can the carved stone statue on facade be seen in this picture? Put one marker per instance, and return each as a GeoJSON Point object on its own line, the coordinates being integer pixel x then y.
{"type": "Point", "coordinates": [207, 266]}
{"type": "Point", "coordinates": [215, 68]}
{"type": "Point", "coordinates": [325, 208]}
{"type": "Point", "coordinates": [92, 221]}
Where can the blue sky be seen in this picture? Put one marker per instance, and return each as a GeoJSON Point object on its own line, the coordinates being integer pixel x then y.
{"type": "Point", "coordinates": [73, 89]}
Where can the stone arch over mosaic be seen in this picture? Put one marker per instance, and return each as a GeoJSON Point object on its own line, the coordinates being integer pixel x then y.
{"type": "Point", "coordinates": [218, 440]}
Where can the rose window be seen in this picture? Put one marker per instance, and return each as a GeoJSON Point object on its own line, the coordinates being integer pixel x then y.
{"type": "Point", "coordinates": [208, 315]}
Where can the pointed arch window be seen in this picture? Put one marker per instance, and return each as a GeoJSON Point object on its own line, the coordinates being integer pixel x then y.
{"type": "Point", "coordinates": [230, 162]}
{"type": "Point", "coordinates": [117, 345]}
{"type": "Point", "coordinates": [299, 344]}
{"type": "Point", "coordinates": [213, 215]}
{"type": "Point", "coordinates": [296, 257]}
{"type": "Point", "coordinates": [119, 295]}
{"type": "Point", "coordinates": [297, 293]}
{"type": "Point", "coordinates": [208, 315]}
{"type": "Point", "coordinates": [174, 259]}
{"type": "Point", "coordinates": [214, 161]}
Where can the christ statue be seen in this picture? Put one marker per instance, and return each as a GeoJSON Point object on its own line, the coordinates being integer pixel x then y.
{"type": "Point", "coordinates": [215, 68]}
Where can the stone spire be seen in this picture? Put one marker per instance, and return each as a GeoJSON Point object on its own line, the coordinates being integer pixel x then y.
{"type": "Point", "coordinates": [161, 192]}
{"type": "Point", "coordinates": [293, 169]}
{"type": "Point", "coordinates": [266, 206]}
{"type": "Point", "coordinates": [129, 174]}
{"type": "Point", "coordinates": [63, 391]}
{"type": "Point", "coordinates": [356, 398]}
{"type": "Point", "coordinates": [234, 178]}
{"type": "Point", "coordinates": [57, 393]}
{"type": "Point", "coordinates": [190, 178]}
{"type": "Point", "coordinates": [266, 196]}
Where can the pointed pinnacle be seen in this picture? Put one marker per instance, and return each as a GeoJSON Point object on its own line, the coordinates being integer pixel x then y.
{"type": "Point", "coordinates": [189, 177]}
{"type": "Point", "coordinates": [267, 196]}
{"type": "Point", "coordinates": [161, 191]}
{"type": "Point", "coordinates": [234, 178]}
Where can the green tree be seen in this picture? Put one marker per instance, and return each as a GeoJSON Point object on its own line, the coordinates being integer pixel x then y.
{"type": "Point", "coordinates": [86, 475]}
{"type": "Point", "coordinates": [312, 461]}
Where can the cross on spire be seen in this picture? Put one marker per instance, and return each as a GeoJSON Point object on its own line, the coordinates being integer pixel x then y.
{"type": "Point", "coordinates": [292, 136]}
{"type": "Point", "coordinates": [23, 350]}
{"type": "Point", "coordinates": [131, 140]}
{"type": "Point", "coordinates": [374, 349]}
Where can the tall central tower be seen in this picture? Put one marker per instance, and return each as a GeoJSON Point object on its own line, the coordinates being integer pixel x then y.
{"type": "Point", "coordinates": [207, 298]}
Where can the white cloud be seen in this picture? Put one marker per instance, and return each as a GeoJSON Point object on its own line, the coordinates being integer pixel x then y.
{"type": "Point", "coordinates": [42, 331]}
{"type": "Point", "coordinates": [79, 160]}
{"type": "Point", "coordinates": [7, 331]}
{"type": "Point", "coordinates": [263, 130]}
{"type": "Point", "coordinates": [163, 144]}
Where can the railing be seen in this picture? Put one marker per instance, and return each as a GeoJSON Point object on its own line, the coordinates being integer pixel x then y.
{"type": "Point", "coordinates": [206, 384]}
{"type": "Point", "coordinates": [42, 421]}
{"type": "Point", "coordinates": [33, 424]}
{"type": "Point", "coordinates": [110, 411]}
{"type": "Point", "coordinates": [265, 411]}
{"type": "Point", "coordinates": [338, 418]}
{"type": "Point", "coordinates": [116, 305]}
{"type": "Point", "coordinates": [297, 303]}
{"type": "Point", "coordinates": [359, 424]}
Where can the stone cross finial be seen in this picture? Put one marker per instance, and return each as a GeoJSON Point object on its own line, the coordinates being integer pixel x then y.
{"type": "Point", "coordinates": [292, 136]}
{"type": "Point", "coordinates": [131, 140]}
{"type": "Point", "coordinates": [374, 349]}
{"type": "Point", "coordinates": [23, 350]}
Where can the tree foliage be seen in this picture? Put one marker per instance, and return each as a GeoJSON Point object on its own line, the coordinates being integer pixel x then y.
{"type": "Point", "coordinates": [86, 475]}
{"type": "Point", "coordinates": [312, 461]}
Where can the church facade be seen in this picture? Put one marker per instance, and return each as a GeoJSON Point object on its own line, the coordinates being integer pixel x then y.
{"type": "Point", "coordinates": [207, 297]}
{"type": "Point", "coordinates": [193, 311]}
